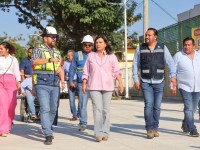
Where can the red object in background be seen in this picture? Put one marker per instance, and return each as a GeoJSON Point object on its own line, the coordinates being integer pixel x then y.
{"type": "Point", "coordinates": [62, 62]}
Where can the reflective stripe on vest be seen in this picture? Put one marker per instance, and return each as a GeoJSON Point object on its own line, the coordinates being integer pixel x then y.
{"type": "Point", "coordinates": [79, 69]}
{"type": "Point", "coordinates": [80, 55]}
{"type": "Point", "coordinates": [46, 55]}
{"type": "Point", "coordinates": [43, 72]}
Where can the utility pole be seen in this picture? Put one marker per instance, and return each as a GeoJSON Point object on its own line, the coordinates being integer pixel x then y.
{"type": "Point", "coordinates": [146, 16]}
{"type": "Point", "coordinates": [125, 46]}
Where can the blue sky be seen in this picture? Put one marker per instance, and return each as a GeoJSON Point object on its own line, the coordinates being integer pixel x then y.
{"type": "Point", "coordinates": [157, 18]}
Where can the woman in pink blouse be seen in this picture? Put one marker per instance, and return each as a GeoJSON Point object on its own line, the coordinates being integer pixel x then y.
{"type": "Point", "coordinates": [100, 71]}
{"type": "Point", "coordinates": [9, 84]}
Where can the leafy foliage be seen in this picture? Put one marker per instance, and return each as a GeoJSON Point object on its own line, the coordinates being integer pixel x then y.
{"type": "Point", "coordinates": [75, 18]}
{"type": "Point", "coordinates": [20, 51]}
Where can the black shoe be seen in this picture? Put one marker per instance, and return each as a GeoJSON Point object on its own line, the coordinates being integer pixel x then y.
{"type": "Point", "coordinates": [184, 127]}
{"type": "Point", "coordinates": [194, 133]}
{"type": "Point", "coordinates": [48, 140]}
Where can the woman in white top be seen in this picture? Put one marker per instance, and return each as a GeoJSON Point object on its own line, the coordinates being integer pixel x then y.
{"type": "Point", "coordinates": [9, 85]}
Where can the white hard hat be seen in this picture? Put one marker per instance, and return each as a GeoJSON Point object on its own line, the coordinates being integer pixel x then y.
{"type": "Point", "coordinates": [88, 39]}
{"type": "Point", "coordinates": [49, 30]}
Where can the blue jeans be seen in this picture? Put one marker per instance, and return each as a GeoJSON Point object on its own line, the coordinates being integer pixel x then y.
{"type": "Point", "coordinates": [72, 100]}
{"type": "Point", "coordinates": [30, 100]}
{"type": "Point", "coordinates": [153, 94]}
{"type": "Point", "coordinates": [190, 100]}
{"type": "Point", "coordinates": [48, 99]}
{"type": "Point", "coordinates": [83, 100]}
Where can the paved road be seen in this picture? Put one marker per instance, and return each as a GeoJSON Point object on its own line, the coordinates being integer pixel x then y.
{"type": "Point", "coordinates": [127, 130]}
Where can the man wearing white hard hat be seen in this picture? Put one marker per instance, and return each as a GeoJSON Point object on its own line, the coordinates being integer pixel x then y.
{"type": "Point", "coordinates": [47, 74]}
{"type": "Point", "coordinates": [76, 67]}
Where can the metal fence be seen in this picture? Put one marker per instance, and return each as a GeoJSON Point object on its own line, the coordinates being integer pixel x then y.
{"type": "Point", "coordinates": [133, 92]}
{"type": "Point", "coordinates": [172, 36]}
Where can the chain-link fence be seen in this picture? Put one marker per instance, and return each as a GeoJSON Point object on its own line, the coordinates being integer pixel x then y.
{"type": "Point", "coordinates": [172, 36]}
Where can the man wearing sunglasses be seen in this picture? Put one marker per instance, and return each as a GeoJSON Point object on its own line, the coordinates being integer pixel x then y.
{"type": "Point", "coordinates": [46, 77]}
{"type": "Point", "coordinates": [76, 67]}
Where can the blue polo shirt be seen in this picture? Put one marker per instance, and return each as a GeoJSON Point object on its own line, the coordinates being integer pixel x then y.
{"type": "Point", "coordinates": [26, 65]}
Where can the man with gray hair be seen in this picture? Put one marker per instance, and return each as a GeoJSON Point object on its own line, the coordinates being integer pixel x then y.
{"type": "Point", "coordinates": [71, 91]}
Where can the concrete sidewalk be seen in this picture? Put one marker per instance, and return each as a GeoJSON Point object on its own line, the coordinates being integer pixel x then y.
{"type": "Point", "coordinates": [127, 130]}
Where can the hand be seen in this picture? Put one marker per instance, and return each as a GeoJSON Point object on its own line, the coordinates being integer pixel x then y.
{"type": "Point", "coordinates": [63, 85]}
{"type": "Point", "coordinates": [19, 87]}
{"type": "Point", "coordinates": [173, 84]}
{"type": "Point", "coordinates": [121, 88]}
{"type": "Point", "coordinates": [33, 92]}
{"type": "Point", "coordinates": [55, 60]}
{"type": "Point", "coordinates": [173, 91]}
{"type": "Point", "coordinates": [84, 87]}
{"type": "Point", "coordinates": [24, 94]}
{"type": "Point", "coordinates": [72, 86]}
{"type": "Point", "coordinates": [137, 85]}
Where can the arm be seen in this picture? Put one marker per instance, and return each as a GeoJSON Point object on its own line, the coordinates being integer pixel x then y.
{"type": "Point", "coordinates": [117, 73]}
{"type": "Point", "coordinates": [16, 72]}
{"type": "Point", "coordinates": [22, 75]}
{"type": "Point", "coordinates": [21, 66]}
{"type": "Point", "coordinates": [170, 62]}
{"type": "Point", "coordinates": [61, 74]}
{"type": "Point", "coordinates": [173, 81]}
{"type": "Point", "coordinates": [85, 75]}
{"type": "Point", "coordinates": [135, 69]}
{"type": "Point", "coordinates": [72, 71]}
{"type": "Point", "coordinates": [172, 67]}
{"type": "Point", "coordinates": [42, 61]}
{"type": "Point", "coordinates": [121, 87]}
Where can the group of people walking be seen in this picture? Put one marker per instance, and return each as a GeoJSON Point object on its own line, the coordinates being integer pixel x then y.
{"type": "Point", "coordinates": [149, 62]}
{"type": "Point", "coordinates": [91, 73]}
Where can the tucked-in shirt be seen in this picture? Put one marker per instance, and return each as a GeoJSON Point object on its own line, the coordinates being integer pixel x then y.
{"type": "Point", "coordinates": [66, 69]}
{"type": "Point", "coordinates": [26, 85]}
{"type": "Point", "coordinates": [136, 66]}
{"type": "Point", "coordinates": [26, 65]}
{"type": "Point", "coordinates": [188, 71]}
{"type": "Point", "coordinates": [10, 65]}
{"type": "Point", "coordinates": [101, 72]}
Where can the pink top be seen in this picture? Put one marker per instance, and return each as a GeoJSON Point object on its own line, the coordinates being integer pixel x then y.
{"type": "Point", "coordinates": [101, 72]}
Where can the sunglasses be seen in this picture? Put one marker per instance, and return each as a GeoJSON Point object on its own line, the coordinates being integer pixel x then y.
{"type": "Point", "coordinates": [55, 38]}
{"type": "Point", "coordinates": [89, 45]}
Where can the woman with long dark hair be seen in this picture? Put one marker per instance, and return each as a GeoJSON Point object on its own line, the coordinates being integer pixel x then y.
{"type": "Point", "coordinates": [9, 85]}
{"type": "Point", "coordinates": [100, 71]}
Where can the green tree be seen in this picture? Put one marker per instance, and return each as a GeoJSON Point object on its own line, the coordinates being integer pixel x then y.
{"type": "Point", "coordinates": [74, 18]}
{"type": "Point", "coordinates": [20, 51]}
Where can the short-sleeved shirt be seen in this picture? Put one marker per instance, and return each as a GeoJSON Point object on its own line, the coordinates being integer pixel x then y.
{"type": "Point", "coordinates": [26, 65]}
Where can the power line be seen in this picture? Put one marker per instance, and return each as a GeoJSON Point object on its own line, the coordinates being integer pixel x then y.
{"type": "Point", "coordinates": [165, 11]}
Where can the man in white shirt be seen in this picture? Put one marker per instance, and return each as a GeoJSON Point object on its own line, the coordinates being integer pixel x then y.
{"type": "Point", "coordinates": [187, 64]}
